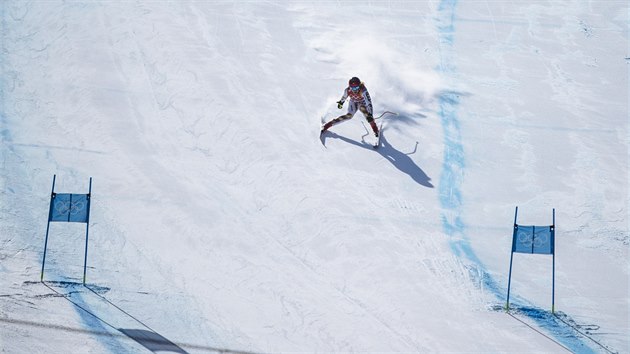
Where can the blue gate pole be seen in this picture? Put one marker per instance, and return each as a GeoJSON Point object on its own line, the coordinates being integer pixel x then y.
{"type": "Point", "coordinates": [507, 304]}
{"type": "Point", "coordinates": [553, 267]}
{"type": "Point", "coordinates": [87, 229]}
{"type": "Point", "coordinates": [52, 197]}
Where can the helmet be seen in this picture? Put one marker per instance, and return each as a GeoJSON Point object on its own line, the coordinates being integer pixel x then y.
{"type": "Point", "coordinates": [354, 82]}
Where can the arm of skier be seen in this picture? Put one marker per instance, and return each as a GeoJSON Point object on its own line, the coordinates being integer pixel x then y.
{"type": "Point", "coordinates": [343, 99]}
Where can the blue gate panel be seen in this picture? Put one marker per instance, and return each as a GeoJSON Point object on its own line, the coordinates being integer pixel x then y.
{"type": "Point", "coordinates": [533, 239]}
{"type": "Point", "coordinates": [67, 207]}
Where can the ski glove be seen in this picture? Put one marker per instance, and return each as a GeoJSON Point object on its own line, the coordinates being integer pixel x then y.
{"type": "Point", "coordinates": [339, 104]}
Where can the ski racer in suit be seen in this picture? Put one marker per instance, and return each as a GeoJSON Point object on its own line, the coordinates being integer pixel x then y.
{"type": "Point", "coordinates": [359, 100]}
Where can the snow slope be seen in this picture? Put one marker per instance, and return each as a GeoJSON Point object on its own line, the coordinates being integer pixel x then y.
{"type": "Point", "coordinates": [220, 223]}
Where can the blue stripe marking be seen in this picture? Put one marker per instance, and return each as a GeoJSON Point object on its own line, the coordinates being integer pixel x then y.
{"type": "Point", "coordinates": [450, 193]}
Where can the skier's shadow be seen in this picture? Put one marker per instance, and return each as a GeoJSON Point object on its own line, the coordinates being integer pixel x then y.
{"type": "Point", "coordinates": [399, 159]}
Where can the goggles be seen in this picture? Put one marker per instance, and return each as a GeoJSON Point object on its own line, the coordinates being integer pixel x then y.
{"type": "Point", "coordinates": [354, 88]}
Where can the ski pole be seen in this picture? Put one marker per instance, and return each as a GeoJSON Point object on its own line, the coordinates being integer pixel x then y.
{"type": "Point", "coordinates": [384, 113]}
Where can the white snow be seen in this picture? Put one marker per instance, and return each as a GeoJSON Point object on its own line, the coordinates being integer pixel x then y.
{"type": "Point", "coordinates": [221, 223]}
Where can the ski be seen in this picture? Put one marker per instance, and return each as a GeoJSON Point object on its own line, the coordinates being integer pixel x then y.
{"type": "Point", "coordinates": [377, 144]}
{"type": "Point", "coordinates": [322, 131]}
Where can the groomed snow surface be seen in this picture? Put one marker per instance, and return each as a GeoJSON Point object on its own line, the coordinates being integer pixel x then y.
{"type": "Point", "coordinates": [220, 222]}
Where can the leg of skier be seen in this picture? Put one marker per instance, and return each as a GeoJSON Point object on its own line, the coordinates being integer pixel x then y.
{"type": "Point", "coordinates": [370, 119]}
{"type": "Point", "coordinates": [352, 109]}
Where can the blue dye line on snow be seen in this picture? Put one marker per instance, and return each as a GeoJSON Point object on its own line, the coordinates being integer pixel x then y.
{"type": "Point", "coordinates": [450, 194]}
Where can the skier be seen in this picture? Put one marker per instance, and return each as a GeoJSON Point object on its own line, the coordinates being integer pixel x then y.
{"type": "Point", "coordinates": [359, 99]}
